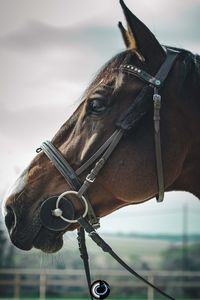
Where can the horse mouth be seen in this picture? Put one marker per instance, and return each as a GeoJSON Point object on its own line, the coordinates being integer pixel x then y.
{"type": "Point", "coordinates": [39, 238]}
{"type": "Point", "coordinates": [48, 241]}
{"type": "Point", "coordinates": [27, 235]}
{"type": "Point", "coordinates": [39, 229]}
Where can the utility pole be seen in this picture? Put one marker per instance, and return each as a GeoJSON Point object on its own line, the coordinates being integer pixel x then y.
{"type": "Point", "coordinates": [185, 238]}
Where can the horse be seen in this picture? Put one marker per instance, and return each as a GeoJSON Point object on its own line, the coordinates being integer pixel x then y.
{"type": "Point", "coordinates": [155, 144]}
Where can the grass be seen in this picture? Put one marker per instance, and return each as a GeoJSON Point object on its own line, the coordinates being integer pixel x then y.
{"type": "Point", "coordinates": [60, 298]}
{"type": "Point", "coordinates": [148, 251]}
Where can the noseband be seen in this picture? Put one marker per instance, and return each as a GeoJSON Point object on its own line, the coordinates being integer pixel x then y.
{"type": "Point", "coordinates": [57, 213]}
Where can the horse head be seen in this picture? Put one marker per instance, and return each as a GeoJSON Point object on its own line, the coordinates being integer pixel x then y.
{"type": "Point", "coordinates": [129, 175]}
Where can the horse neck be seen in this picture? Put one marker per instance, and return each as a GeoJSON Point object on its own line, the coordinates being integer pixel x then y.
{"type": "Point", "coordinates": [189, 178]}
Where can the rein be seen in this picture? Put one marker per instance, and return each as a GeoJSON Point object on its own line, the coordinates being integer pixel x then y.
{"type": "Point", "coordinates": [57, 213]}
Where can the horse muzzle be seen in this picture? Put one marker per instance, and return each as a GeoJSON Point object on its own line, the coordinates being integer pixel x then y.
{"type": "Point", "coordinates": [21, 233]}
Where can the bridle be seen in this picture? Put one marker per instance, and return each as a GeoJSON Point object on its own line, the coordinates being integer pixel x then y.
{"type": "Point", "coordinates": [57, 213]}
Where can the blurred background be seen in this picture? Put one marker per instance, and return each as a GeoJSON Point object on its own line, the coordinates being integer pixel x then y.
{"type": "Point", "coordinates": [49, 52]}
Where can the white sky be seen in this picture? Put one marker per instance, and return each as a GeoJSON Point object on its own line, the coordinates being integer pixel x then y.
{"type": "Point", "coordinates": [49, 51]}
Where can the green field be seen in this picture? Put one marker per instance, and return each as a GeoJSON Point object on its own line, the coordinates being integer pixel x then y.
{"type": "Point", "coordinates": [147, 250]}
{"type": "Point", "coordinates": [131, 298]}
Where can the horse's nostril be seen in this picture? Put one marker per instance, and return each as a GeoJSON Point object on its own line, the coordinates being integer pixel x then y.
{"type": "Point", "coordinates": [10, 218]}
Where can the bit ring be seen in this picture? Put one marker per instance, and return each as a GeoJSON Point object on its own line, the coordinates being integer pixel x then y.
{"type": "Point", "coordinates": [73, 193]}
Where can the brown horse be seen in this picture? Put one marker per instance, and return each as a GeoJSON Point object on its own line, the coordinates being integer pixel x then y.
{"type": "Point", "coordinates": [129, 176]}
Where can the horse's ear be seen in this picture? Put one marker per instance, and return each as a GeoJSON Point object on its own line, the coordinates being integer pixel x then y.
{"type": "Point", "coordinates": [139, 37]}
{"type": "Point", "coordinates": [129, 40]}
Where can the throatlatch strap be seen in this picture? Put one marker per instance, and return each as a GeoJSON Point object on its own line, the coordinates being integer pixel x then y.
{"type": "Point", "coordinates": [158, 151]}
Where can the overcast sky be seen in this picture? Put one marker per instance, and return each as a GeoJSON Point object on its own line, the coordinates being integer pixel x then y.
{"type": "Point", "coordinates": [49, 51]}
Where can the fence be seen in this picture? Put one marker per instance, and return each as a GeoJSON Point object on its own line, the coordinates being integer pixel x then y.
{"type": "Point", "coordinates": [18, 278]}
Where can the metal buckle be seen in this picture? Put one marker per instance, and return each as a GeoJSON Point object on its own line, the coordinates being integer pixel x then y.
{"type": "Point", "coordinates": [96, 225]}
{"type": "Point", "coordinates": [157, 101]}
{"type": "Point", "coordinates": [89, 179]}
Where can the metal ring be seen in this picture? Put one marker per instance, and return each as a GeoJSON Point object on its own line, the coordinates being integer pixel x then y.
{"type": "Point", "coordinates": [38, 150]}
{"type": "Point", "coordinates": [74, 193]}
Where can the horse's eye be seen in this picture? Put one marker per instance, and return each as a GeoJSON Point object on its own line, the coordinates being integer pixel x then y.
{"type": "Point", "coordinates": [97, 106]}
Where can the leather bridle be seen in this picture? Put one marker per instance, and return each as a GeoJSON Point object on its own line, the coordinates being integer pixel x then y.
{"type": "Point", "coordinates": [57, 213]}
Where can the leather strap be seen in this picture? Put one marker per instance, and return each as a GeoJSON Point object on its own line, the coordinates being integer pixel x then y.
{"type": "Point", "coordinates": [84, 254]}
{"type": "Point", "coordinates": [61, 164]}
{"type": "Point", "coordinates": [106, 248]}
{"type": "Point", "coordinates": [141, 74]}
{"type": "Point", "coordinates": [101, 162]}
{"type": "Point", "coordinates": [141, 105]}
{"type": "Point", "coordinates": [158, 151]}
{"type": "Point", "coordinates": [166, 67]}
{"type": "Point", "coordinates": [69, 174]}
{"type": "Point", "coordinates": [96, 155]}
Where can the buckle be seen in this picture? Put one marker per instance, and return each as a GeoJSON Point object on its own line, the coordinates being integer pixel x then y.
{"type": "Point", "coordinates": [157, 101]}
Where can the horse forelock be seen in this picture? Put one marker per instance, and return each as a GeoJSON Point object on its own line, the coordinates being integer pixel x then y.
{"type": "Point", "coordinates": [109, 74]}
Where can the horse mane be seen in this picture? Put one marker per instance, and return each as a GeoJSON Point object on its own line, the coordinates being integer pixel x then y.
{"type": "Point", "coordinates": [192, 62]}
{"type": "Point", "coordinates": [191, 65]}
{"type": "Point", "coordinates": [197, 65]}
